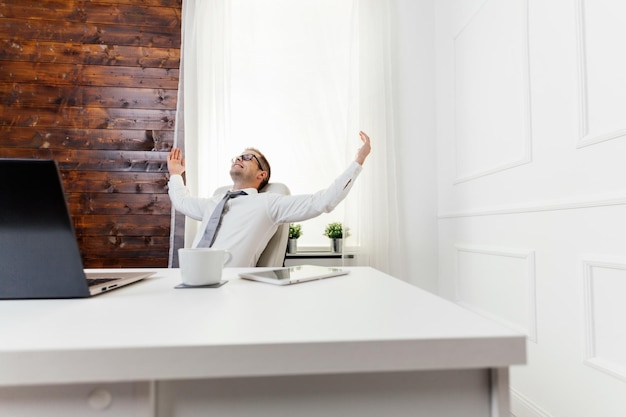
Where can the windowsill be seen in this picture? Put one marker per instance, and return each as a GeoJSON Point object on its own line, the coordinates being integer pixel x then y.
{"type": "Point", "coordinates": [319, 255]}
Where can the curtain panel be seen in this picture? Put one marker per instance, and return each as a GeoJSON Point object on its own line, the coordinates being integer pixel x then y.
{"type": "Point", "coordinates": [297, 80]}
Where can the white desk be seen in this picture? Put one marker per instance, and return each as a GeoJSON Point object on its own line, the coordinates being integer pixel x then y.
{"type": "Point", "coordinates": [365, 344]}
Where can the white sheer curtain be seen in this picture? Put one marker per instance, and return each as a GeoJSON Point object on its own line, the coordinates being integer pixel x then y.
{"type": "Point", "coordinates": [297, 80]}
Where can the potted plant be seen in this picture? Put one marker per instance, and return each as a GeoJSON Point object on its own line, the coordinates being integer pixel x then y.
{"type": "Point", "coordinates": [335, 232]}
{"type": "Point", "coordinates": [295, 231]}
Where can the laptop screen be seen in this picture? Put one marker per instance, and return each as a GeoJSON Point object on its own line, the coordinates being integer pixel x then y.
{"type": "Point", "coordinates": [39, 256]}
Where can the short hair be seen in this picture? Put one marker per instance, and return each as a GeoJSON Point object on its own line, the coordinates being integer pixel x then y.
{"type": "Point", "coordinates": [265, 165]}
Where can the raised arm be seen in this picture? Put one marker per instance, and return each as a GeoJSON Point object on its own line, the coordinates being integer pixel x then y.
{"type": "Point", "coordinates": [286, 209]}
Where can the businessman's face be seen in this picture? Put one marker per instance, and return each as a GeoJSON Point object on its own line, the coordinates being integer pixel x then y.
{"type": "Point", "coordinates": [247, 168]}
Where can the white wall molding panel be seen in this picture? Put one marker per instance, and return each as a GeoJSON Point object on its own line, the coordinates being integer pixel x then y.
{"type": "Point", "coordinates": [579, 202]}
{"type": "Point", "coordinates": [492, 126]}
{"type": "Point", "coordinates": [522, 406]}
{"type": "Point", "coordinates": [601, 68]}
{"type": "Point", "coordinates": [604, 283]}
{"type": "Point", "coordinates": [498, 283]}
{"type": "Point", "coordinates": [531, 138]}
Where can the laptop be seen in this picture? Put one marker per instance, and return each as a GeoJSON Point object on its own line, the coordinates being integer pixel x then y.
{"type": "Point", "coordinates": [294, 274]}
{"type": "Point", "coordinates": [39, 255]}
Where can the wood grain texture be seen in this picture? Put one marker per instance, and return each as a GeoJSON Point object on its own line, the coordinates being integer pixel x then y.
{"type": "Point", "coordinates": [89, 54]}
{"type": "Point", "coordinates": [93, 84]}
{"type": "Point", "coordinates": [46, 96]}
{"type": "Point", "coordinates": [88, 33]}
{"type": "Point", "coordinates": [45, 138]}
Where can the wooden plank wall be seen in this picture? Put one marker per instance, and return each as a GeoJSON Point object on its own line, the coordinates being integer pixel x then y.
{"type": "Point", "coordinates": [93, 85]}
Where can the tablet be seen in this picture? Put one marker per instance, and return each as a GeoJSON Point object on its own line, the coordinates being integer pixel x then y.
{"type": "Point", "coordinates": [294, 274]}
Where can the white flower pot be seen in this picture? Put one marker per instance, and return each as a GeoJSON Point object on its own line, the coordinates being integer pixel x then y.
{"type": "Point", "coordinates": [292, 245]}
{"type": "Point", "coordinates": [336, 245]}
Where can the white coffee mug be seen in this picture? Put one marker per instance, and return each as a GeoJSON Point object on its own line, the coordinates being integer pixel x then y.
{"type": "Point", "coordinates": [202, 266]}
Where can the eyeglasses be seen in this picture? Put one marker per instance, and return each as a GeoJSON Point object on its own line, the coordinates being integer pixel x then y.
{"type": "Point", "coordinates": [248, 157]}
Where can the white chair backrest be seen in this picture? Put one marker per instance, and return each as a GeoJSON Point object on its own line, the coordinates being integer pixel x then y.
{"type": "Point", "coordinates": [274, 253]}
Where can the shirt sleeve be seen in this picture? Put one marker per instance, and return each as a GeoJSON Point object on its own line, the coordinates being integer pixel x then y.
{"type": "Point", "coordinates": [182, 200]}
{"type": "Point", "coordinates": [294, 208]}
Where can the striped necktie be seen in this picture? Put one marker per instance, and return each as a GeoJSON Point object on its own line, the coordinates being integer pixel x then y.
{"type": "Point", "coordinates": [216, 217]}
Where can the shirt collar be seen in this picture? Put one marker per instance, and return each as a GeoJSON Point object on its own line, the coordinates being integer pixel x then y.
{"type": "Point", "coordinates": [249, 191]}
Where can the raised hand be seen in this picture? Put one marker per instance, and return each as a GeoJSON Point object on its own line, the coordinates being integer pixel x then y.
{"type": "Point", "coordinates": [175, 162]}
{"type": "Point", "coordinates": [364, 150]}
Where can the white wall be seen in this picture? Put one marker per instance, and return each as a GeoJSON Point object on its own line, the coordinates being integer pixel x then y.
{"type": "Point", "coordinates": [414, 68]}
{"type": "Point", "coordinates": [531, 106]}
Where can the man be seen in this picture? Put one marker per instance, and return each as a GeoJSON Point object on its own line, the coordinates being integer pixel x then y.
{"type": "Point", "coordinates": [251, 219]}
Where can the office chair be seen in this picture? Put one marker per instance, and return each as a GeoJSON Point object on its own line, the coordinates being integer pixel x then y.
{"type": "Point", "coordinates": [274, 253]}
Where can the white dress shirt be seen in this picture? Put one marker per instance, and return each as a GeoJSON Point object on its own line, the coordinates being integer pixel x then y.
{"type": "Point", "coordinates": [250, 221]}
